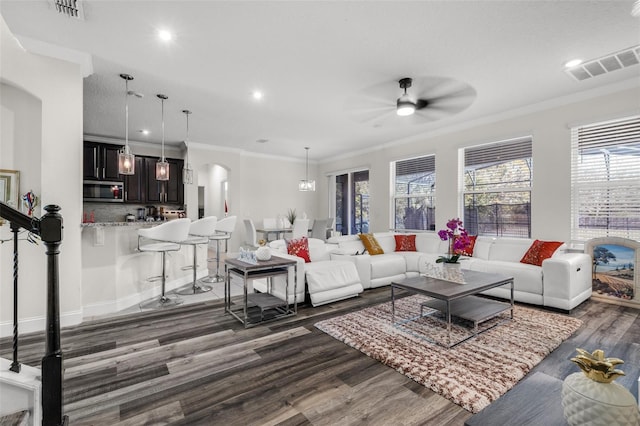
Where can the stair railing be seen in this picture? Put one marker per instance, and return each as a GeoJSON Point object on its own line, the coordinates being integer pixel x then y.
{"type": "Point", "coordinates": [49, 229]}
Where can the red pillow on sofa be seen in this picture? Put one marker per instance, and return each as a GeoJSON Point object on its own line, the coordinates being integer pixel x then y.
{"type": "Point", "coordinates": [405, 242]}
{"type": "Point", "coordinates": [299, 247]}
{"type": "Point", "coordinates": [468, 251]}
{"type": "Point", "coordinates": [539, 251]}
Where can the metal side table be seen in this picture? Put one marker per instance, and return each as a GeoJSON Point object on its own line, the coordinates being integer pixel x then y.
{"type": "Point", "coordinates": [269, 306]}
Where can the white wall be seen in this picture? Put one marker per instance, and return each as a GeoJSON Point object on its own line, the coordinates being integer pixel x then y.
{"type": "Point", "coordinates": [259, 186]}
{"type": "Point", "coordinates": [55, 155]}
{"type": "Point", "coordinates": [550, 128]}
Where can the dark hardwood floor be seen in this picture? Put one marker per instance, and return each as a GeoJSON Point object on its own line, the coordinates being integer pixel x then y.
{"type": "Point", "coordinates": [194, 365]}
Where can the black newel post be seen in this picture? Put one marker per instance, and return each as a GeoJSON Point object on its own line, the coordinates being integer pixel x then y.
{"type": "Point", "coordinates": [51, 235]}
{"type": "Point", "coordinates": [15, 365]}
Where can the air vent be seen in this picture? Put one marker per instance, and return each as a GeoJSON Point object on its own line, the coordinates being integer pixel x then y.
{"type": "Point", "coordinates": [70, 8]}
{"type": "Point", "coordinates": [606, 64]}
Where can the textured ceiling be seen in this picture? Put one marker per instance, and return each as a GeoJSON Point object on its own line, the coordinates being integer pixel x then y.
{"type": "Point", "coordinates": [316, 60]}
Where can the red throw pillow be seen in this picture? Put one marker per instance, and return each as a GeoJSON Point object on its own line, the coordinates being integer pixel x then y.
{"type": "Point", "coordinates": [468, 251]}
{"type": "Point", "coordinates": [299, 247]}
{"type": "Point", "coordinates": [539, 251]}
{"type": "Point", "coordinates": [405, 242]}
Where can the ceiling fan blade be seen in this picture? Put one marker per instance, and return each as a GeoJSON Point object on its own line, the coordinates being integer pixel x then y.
{"type": "Point", "coordinates": [435, 98]}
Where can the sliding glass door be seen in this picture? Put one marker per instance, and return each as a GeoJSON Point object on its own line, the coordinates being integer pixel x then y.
{"type": "Point", "coordinates": [352, 202]}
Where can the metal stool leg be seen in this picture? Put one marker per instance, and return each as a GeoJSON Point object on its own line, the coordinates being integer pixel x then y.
{"type": "Point", "coordinates": [217, 278]}
{"type": "Point", "coordinates": [164, 301]}
{"type": "Point", "coordinates": [194, 288]}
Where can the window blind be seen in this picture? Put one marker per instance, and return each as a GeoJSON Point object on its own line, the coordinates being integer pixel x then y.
{"type": "Point", "coordinates": [414, 166]}
{"type": "Point", "coordinates": [605, 180]}
{"type": "Point", "coordinates": [497, 188]}
{"type": "Point", "coordinates": [499, 152]}
{"type": "Point", "coordinates": [414, 193]}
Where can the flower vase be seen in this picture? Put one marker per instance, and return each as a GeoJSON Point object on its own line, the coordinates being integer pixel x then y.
{"type": "Point", "coordinates": [263, 253]}
{"type": "Point", "coordinates": [590, 403]}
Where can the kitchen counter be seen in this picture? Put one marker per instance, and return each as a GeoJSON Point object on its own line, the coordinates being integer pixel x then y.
{"type": "Point", "coordinates": [114, 272]}
{"type": "Point", "coordinates": [136, 223]}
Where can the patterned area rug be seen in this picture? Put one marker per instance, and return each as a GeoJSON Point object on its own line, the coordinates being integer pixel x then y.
{"type": "Point", "coordinates": [471, 374]}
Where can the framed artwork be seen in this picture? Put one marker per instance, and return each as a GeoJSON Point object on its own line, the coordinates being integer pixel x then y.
{"type": "Point", "coordinates": [10, 187]}
{"type": "Point", "coordinates": [613, 273]}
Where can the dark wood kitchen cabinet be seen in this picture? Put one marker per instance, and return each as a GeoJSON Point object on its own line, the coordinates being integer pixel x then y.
{"type": "Point", "coordinates": [142, 187]}
{"type": "Point", "coordinates": [100, 162]}
{"type": "Point", "coordinates": [170, 191]}
{"type": "Point", "coordinates": [134, 185]}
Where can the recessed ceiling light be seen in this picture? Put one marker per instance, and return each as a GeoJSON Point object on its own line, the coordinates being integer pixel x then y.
{"type": "Point", "coordinates": [257, 95]}
{"type": "Point", "coordinates": [165, 35]}
{"type": "Point", "coordinates": [573, 63]}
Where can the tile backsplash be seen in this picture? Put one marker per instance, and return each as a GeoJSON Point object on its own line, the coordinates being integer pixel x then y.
{"type": "Point", "coordinates": [115, 212]}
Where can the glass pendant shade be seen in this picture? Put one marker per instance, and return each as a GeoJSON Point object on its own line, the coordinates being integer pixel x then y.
{"type": "Point", "coordinates": [162, 170]}
{"type": "Point", "coordinates": [162, 166]}
{"type": "Point", "coordinates": [187, 172]}
{"type": "Point", "coordinates": [126, 160]}
{"type": "Point", "coordinates": [187, 175]}
{"type": "Point", "coordinates": [306, 184]}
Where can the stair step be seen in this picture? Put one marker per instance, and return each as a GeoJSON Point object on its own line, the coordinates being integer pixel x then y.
{"type": "Point", "coordinates": [19, 418]}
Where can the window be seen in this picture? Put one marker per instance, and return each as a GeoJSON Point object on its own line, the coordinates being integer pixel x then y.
{"type": "Point", "coordinates": [605, 180]}
{"type": "Point", "coordinates": [415, 193]}
{"type": "Point", "coordinates": [497, 188]}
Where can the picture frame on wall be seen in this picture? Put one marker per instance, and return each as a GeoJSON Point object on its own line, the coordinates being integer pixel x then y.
{"type": "Point", "coordinates": [10, 188]}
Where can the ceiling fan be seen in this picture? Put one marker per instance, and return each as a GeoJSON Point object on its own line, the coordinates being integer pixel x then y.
{"type": "Point", "coordinates": [422, 100]}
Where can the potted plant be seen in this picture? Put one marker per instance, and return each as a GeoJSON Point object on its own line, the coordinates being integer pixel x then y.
{"type": "Point", "coordinates": [291, 216]}
{"type": "Point", "coordinates": [458, 241]}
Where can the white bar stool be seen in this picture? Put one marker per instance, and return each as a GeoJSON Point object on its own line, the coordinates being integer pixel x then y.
{"type": "Point", "coordinates": [165, 237]}
{"type": "Point", "coordinates": [199, 233]}
{"type": "Point", "coordinates": [224, 229]}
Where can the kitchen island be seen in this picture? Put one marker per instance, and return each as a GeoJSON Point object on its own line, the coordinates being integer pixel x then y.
{"type": "Point", "coordinates": [114, 272]}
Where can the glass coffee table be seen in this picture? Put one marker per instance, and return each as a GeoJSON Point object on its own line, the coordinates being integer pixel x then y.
{"type": "Point", "coordinates": [455, 300]}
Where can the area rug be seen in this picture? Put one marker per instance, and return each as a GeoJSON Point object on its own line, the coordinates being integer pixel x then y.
{"type": "Point", "coordinates": [471, 374]}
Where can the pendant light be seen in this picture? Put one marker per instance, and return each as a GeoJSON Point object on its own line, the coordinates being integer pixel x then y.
{"type": "Point", "coordinates": [162, 167]}
{"type": "Point", "coordinates": [306, 184]}
{"type": "Point", "coordinates": [187, 172]}
{"type": "Point", "coordinates": [126, 160]}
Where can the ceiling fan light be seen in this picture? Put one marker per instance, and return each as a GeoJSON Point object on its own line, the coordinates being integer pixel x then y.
{"type": "Point", "coordinates": [405, 106]}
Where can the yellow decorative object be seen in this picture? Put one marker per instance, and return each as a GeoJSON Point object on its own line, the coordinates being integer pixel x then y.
{"type": "Point", "coordinates": [371, 244]}
{"type": "Point", "coordinates": [596, 367]}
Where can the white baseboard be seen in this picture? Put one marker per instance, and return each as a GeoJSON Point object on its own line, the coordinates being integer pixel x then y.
{"type": "Point", "coordinates": [33, 324]}
{"type": "Point", "coordinates": [113, 306]}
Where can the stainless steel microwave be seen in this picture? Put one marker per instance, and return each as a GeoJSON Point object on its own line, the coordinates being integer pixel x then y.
{"type": "Point", "coordinates": [101, 191]}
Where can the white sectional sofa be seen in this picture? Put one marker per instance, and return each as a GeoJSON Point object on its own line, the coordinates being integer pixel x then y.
{"type": "Point", "coordinates": [563, 281]}
{"type": "Point", "coordinates": [326, 280]}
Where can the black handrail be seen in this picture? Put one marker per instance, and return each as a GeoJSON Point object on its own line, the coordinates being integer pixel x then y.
{"type": "Point", "coordinates": [49, 228]}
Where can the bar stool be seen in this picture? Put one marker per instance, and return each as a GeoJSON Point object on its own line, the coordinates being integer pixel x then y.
{"type": "Point", "coordinates": [199, 233]}
{"type": "Point", "coordinates": [165, 237]}
{"type": "Point", "coordinates": [224, 228]}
